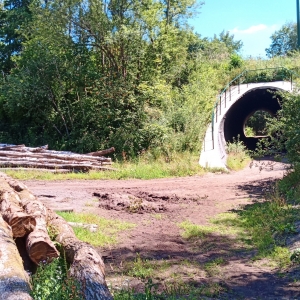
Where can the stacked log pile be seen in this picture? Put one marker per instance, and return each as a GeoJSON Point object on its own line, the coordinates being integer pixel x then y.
{"type": "Point", "coordinates": [21, 156]}
{"type": "Point", "coordinates": [23, 233]}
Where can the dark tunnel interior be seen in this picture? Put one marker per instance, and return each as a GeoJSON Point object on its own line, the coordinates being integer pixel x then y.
{"type": "Point", "coordinates": [252, 101]}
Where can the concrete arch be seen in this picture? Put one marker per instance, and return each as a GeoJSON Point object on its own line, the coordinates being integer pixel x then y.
{"type": "Point", "coordinates": [230, 114]}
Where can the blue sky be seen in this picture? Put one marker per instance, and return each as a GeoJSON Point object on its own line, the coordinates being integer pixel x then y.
{"type": "Point", "coordinates": [252, 21]}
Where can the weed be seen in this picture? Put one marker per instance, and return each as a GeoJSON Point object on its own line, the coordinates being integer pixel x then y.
{"type": "Point", "coordinates": [237, 157]}
{"type": "Point", "coordinates": [213, 267]}
{"type": "Point", "coordinates": [295, 257]}
{"type": "Point", "coordinates": [143, 167]}
{"type": "Point", "coordinates": [52, 282]}
{"type": "Point", "coordinates": [141, 268]}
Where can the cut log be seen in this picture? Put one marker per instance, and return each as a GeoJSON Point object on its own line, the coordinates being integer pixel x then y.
{"type": "Point", "coordinates": [12, 211]}
{"type": "Point", "coordinates": [102, 152]}
{"type": "Point", "coordinates": [55, 171]}
{"type": "Point", "coordinates": [38, 244]}
{"type": "Point", "coordinates": [14, 281]}
{"type": "Point", "coordinates": [87, 266]}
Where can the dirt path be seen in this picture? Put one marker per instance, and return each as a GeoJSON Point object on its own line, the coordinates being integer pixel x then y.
{"type": "Point", "coordinates": [157, 207]}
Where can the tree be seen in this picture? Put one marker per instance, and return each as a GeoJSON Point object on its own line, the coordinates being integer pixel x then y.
{"type": "Point", "coordinates": [284, 41]}
{"type": "Point", "coordinates": [232, 45]}
{"type": "Point", "coordinates": [13, 15]}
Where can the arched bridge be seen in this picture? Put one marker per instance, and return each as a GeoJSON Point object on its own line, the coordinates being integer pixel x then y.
{"type": "Point", "coordinates": [249, 92]}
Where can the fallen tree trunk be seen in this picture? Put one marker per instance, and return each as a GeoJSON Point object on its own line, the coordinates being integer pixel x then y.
{"type": "Point", "coordinates": [14, 281]}
{"type": "Point", "coordinates": [81, 167]}
{"type": "Point", "coordinates": [87, 266]}
{"type": "Point", "coordinates": [102, 152]}
{"type": "Point", "coordinates": [55, 154]}
{"type": "Point", "coordinates": [13, 213]}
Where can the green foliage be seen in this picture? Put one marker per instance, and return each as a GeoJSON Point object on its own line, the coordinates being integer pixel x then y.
{"type": "Point", "coordinates": [91, 75]}
{"type": "Point", "coordinates": [13, 15]}
{"type": "Point", "coordinates": [52, 282]}
{"type": "Point", "coordinates": [257, 123]}
{"type": "Point", "coordinates": [141, 268]}
{"type": "Point", "coordinates": [237, 155]}
{"type": "Point", "coordinates": [295, 257]}
{"type": "Point", "coordinates": [284, 41]}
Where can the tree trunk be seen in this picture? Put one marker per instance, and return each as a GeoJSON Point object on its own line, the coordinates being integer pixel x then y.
{"type": "Point", "coordinates": [102, 152]}
{"type": "Point", "coordinates": [14, 281]}
{"type": "Point", "coordinates": [87, 266]}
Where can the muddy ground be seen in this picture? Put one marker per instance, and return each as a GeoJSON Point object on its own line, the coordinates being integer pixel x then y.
{"type": "Point", "coordinates": [157, 207]}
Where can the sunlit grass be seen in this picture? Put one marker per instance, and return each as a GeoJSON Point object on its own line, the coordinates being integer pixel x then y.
{"type": "Point", "coordinates": [262, 226]}
{"type": "Point", "coordinates": [180, 165]}
{"type": "Point", "coordinates": [106, 233]}
{"type": "Point", "coordinates": [237, 161]}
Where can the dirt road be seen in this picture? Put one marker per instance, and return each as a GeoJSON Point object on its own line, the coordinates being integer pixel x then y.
{"type": "Point", "coordinates": [157, 207]}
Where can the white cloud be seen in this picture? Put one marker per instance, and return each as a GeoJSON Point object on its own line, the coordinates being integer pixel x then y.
{"type": "Point", "coordinates": [253, 29]}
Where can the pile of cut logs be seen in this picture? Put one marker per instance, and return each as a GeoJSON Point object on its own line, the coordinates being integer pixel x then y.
{"type": "Point", "coordinates": [24, 243]}
{"type": "Point", "coordinates": [40, 157]}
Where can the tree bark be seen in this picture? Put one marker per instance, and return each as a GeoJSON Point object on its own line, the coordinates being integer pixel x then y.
{"type": "Point", "coordinates": [87, 266]}
{"type": "Point", "coordinates": [14, 281]}
{"type": "Point", "coordinates": [12, 211]}
{"type": "Point", "coordinates": [38, 244]}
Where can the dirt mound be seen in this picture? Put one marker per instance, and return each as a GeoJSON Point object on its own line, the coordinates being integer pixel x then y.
{"type": "Point", "coordinates": [128, 202]}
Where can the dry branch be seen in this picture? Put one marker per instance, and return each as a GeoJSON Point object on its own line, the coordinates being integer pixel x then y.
{"type": "Point", "coordinates": [14, 281]}
{"type": "Point", "coordinates": [102, 152]}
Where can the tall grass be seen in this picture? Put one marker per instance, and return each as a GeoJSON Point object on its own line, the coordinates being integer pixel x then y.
{"type": "Point", "coordinates": [147, 166]}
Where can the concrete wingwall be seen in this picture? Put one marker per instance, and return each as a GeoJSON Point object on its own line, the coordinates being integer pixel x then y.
{"type": "Point", "coordinates": [213, 154]}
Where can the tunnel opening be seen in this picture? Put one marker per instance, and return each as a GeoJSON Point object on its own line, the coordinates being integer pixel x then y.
{"type": "Point", "coordinates": [256, 124]}
{"type": "Point", "coordinates": [260, 99]}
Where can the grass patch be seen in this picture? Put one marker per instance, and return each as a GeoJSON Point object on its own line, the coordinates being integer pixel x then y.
{"type": "Point", "coordinates": [213, 267]}
{"type": "Point", "coordinates": [144, 167]}
{"type": "Point", "coordinates": [141, 268]}
{"type": "Point", "coordinates": [263, 226]}
{"type": "Point", "coordinates": [224, 224]}
{"type": "Point", "coordinates": [106, 233]}
{"type": "Point", "coordinates": [176, 290]}
{"type": "Point", "coordinates": [237, 161]}
{"type": "Point", "coordinates": [237, 155]}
